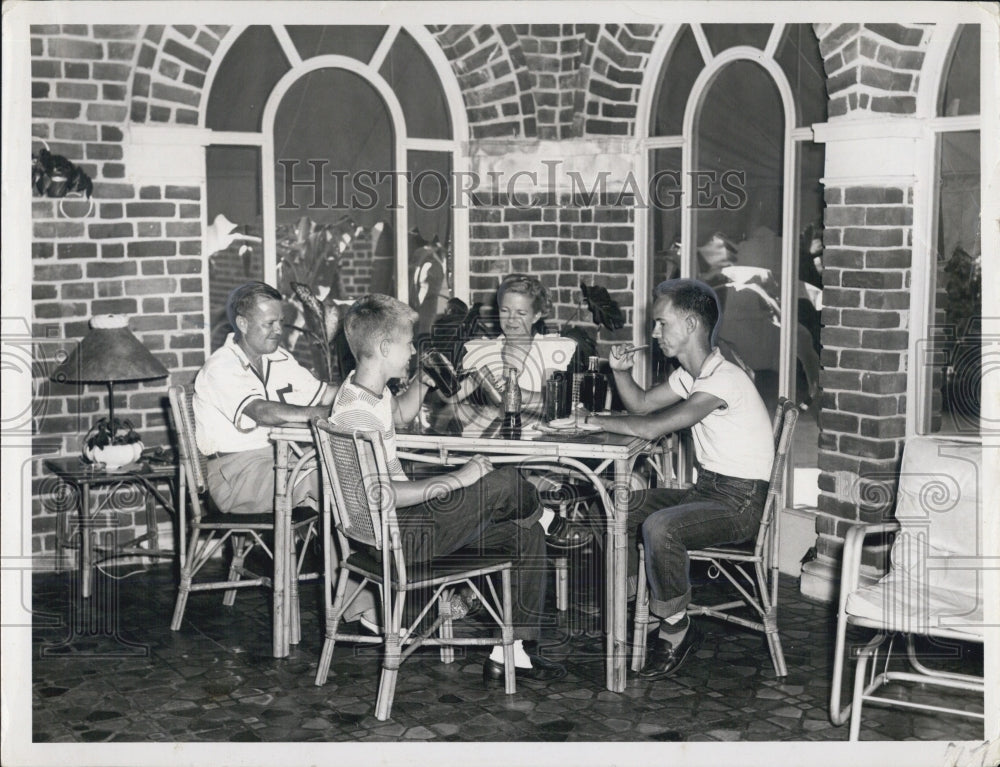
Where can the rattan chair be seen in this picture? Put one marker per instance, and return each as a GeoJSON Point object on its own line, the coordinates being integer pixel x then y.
{"type": "Point", "coordinates": [751, 567]}
{"type": "Point", "coordinates": [359, 517]}
{"type": "Point", "coordinates": [931, 590]}
{"type": "Point", "coordinates": [210, 528]}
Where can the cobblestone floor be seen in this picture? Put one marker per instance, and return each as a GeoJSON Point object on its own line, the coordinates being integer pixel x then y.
{"type": "Point", "coordinates": [113, 671]}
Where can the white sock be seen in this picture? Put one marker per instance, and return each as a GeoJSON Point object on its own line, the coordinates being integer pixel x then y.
{"type": "Point", "coordinates": [521, 659]}
{"type": "Point", "coordinates": [546, 519]}
{"type": "Point", "coordinates": [676, 617]}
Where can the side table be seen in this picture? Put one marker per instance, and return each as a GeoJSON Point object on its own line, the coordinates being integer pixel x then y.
{"type": "Point", "coordinates": [147, 476]}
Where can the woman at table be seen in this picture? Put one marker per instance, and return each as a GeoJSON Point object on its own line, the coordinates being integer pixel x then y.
{"type": "Point", "coordinates": [523, 303]}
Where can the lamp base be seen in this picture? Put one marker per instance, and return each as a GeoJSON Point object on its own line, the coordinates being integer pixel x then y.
{"type": "Point", "coordinates": [114, 456]}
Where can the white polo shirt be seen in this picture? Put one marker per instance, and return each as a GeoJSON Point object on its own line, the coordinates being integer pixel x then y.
{"type": "Point", "coordinates": [736, 439]}
{"type": "Point", "coordinates": [227, 383]}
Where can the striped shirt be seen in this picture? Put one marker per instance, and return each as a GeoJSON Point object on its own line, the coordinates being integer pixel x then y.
{"type": "Point", "coordinates": [356, 407]}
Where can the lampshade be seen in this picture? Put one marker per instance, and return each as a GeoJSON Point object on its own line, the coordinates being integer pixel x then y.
{"type": "Point", "coordinates": [109, 352]}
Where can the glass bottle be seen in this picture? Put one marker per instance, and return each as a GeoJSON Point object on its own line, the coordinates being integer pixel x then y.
{"type": "Point", "coordinates": [594, 387]}
{"type": "Point", "coordinates": [510, 428]}
{"type": "Point", "coordinates": [491, 387]}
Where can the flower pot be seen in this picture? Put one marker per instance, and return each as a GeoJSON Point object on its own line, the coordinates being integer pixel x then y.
{"type": "Point", "coordinates": [114, 456]}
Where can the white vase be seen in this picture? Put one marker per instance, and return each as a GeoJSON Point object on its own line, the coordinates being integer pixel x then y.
{"type": "Point", "coordinates": [114, 456]}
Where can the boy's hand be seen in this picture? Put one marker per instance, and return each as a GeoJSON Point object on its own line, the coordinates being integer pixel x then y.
{"type": "Point", "coordinates": [475, 469]}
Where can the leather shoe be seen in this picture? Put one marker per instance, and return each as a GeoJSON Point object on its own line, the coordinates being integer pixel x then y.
{"type": "Point", "coordinates": [565, 535]}
{"type": "Point", "coordinates": [664, 659]}
{"type": "Point", "coordinates": [542, 670]}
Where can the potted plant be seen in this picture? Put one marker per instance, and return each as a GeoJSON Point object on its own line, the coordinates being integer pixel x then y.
{"type": "Point", "coordinates": [113, 443]}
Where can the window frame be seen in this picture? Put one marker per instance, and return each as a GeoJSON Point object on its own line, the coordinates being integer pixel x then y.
{"type": "Point", "coordinates": [925, 223]}
{"type": "Point", "coordinates": [369, 71]}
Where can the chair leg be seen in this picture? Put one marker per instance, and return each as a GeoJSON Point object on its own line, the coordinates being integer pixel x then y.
{"type": "Point", "coordinates": [769, 617]}
{"type": "Point", "coordinates": [507, 633]}
{"type": "Point", "coordinates": [641, 615]}
{"type": "Point", "coordinates": [332, 622]}
{"type": "Point", "coordinates": [859, 688]}
{"type": "Point", "coordinates": [774, 644]}
{"type": "Point", "coordinates": [560, 566]}
{"type": "Point", "coordinates": [184, 587]}
{"type": "Point", "coordinates": [447, 628]}
{"type": "Point", "coordinates": [182, 597]}
{"type": "Point", "coordinates": [391, 658]}
{"type": "Point", "coordinates": [236, 568]}
{"type": "Point", "coordinates": [386, 689]}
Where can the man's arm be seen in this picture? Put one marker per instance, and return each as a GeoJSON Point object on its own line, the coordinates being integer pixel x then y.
{"type": "Point", "coordinates": [679, 416]}
{"type": "Point", "coordinates": [636, 399]}
{"type": "Point", "coordinates": [642, 401]}
{"type": "Point", "coordinates": [266, 413]}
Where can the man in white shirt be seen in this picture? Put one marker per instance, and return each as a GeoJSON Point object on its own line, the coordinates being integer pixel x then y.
{"type": "Point", "coordinates": [733, 444]}
{"type": "Point", "coordinates": [246, 386]}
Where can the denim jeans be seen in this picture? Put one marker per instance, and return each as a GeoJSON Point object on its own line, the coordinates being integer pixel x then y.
{"type": "Point", "coordinates": [499, 513]}
{"type": "Point", "coordinates": [718, 509]}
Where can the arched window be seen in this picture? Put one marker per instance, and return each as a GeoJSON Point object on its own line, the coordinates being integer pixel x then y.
{"type": "Point", "coordinates": [948, 355]}
{"type": "Point", "coordinates": [330, 163]}
{"type": "Point", "coordinates": [735, 192]}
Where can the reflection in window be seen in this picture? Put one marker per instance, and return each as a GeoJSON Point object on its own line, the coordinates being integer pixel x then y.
{"type": "Point", "coordinates": [665, 231]}
{"type": "Point", "coordinates": [246, 77]}
{"type": "Point", "coordinates": [680, 71]}
{"type": "Point", "coordinates": [431, 267]}
{"type": "Point", "coordinates": [722, 36]}
{"type": "Point", "coordinates": [960, 95]}
{"type": "Point", "coordinates": [356, 41]}
{"type": "Point", "coordinates": [799, 57]}
{"type": "Point", "coordinates": [232, 241]}
{"type": "Point", "coordinates": [737, 228]}
{"type": "Point", "coordinates": [415, 83]}
{"type": "Point", "coordinates": [956, 387]}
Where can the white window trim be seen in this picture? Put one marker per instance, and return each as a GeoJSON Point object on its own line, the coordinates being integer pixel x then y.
{"type": "Point", "coordinates": [403, 143]}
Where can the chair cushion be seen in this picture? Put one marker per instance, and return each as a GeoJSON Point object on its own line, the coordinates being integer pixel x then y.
{"type": "Point", "coordinates": [933, 580]}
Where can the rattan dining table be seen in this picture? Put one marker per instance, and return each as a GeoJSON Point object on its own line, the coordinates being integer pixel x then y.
{"type": "Point", "coordinates": [605, 460]}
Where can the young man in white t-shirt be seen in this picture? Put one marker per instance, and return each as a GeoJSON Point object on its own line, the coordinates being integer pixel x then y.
{"type": "Point", "coordinates": [734, 447]}
{"type": "Point", "coordinates": [473, 506]}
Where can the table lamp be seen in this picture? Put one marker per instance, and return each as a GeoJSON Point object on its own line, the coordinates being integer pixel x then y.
{"type": "Point", "coordinates": [110, 354]}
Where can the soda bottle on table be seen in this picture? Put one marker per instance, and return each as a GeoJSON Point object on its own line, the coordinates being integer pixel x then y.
{"type": "Point", "coordinates": [510, 427]}
{"type": "Point", "coordinates": [594, 386]}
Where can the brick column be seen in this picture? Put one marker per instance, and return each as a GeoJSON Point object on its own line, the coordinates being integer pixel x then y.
{"type": "Point", "coordinates": [869, 178]}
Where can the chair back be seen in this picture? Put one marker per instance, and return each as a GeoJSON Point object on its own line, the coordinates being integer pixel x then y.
{"type": "Point", "coordinates": [193, 463]}
{"type": "Point", "coordinates": [786, 415]}
{"type": "Point", "coordinates": [933, 582]}
{"type": "Point", "coordinates": [355, 473]}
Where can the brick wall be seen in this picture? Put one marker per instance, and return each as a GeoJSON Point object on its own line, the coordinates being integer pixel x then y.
{"type": "Point", "coordinates": [868, 258]}
{"type": "Point", "coordinates": [137, 253]}
{"type": "Point", "coordinates": [562, 240]}
{"type": "Point", "coordinates": [872, 67]}
{"type": "Point", "coordinates": [866, 294]}
{"type": "Point", "coordinates": [549, 81]}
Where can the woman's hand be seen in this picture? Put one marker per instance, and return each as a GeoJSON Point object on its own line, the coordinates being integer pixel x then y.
{"type": "Point", "coordinates": [474, 470]}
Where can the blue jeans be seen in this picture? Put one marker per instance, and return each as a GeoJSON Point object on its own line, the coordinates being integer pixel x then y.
{"type": "Point", "coordinates": [718, 509]}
